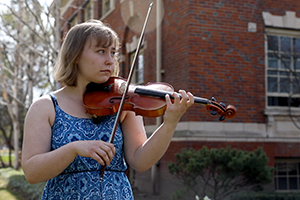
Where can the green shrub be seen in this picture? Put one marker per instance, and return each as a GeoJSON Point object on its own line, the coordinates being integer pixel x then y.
{"type": "Point", "coordinates": [266, 196]}
{"type": "Point", "coordinates": [221, 172]}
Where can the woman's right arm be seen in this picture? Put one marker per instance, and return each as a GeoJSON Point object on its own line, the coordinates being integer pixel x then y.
{"type": "Point", "coordinates": [38, 162]}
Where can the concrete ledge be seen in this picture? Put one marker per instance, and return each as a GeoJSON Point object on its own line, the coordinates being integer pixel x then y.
{"type": "Point", "coordinates": [283, 131]}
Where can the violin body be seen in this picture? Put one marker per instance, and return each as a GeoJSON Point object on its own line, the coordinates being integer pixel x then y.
{"type": "Point", "coordinates": [145, 100]}
{"type": "Point", "coordinates": [104, 99]}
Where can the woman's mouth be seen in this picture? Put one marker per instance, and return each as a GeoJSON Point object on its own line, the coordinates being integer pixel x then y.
{"type": "Point", "coordinates": [106, 71]}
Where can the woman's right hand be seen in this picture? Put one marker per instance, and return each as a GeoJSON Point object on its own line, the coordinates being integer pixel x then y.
{"type": "Point", "coordinates": [102, 152]}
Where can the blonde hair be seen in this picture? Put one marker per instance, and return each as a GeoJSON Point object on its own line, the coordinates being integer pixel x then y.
{"type": "Point", "coordinates": [66, 69]}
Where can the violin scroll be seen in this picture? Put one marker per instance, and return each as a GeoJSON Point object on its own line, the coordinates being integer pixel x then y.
{"type": "Point", "coordinates": [225, 112]}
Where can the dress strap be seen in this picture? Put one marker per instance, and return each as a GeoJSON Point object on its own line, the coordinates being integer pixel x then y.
{"type": "Point", "coordinates": [54, 100]}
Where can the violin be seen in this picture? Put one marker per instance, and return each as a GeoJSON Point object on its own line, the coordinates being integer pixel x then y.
{"type": "Point", "coordinates": [145, 100]}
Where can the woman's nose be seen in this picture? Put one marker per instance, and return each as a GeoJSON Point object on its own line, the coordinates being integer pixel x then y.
{"type": "Point", "coordinates": [109, 59]}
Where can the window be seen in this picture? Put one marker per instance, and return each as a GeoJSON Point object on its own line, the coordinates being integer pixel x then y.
{"type": "Point", "coordinates": [89, 11]}
{"type": "Point", "coordinates": [138, 76]}
{"type": "Point", "coordinates": [107, 6]}
{"type": "Point", "coordinates": [287, 175]}
{"type": "Point", "coordinates": [283, 69]}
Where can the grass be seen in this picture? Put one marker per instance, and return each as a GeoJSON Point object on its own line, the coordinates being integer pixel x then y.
{"type": "Point", "coordinates": [13, 186]}
{"type": "Point", "coordinates": [4, 156]}
{"type": "Point", "coordinates": [5, 194]}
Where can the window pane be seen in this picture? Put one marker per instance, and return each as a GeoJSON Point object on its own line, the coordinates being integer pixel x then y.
{"type": "Point", "coordinates": [285, 44]}
{"type": "Point", "coordinates": [281, 169]}
{"type": "Point", "coordinates": [272, 72]}
{"type": "Point", "coordinates": [296, 43]}
{"type": "Point", "coordinates": [285, 85]}
{"type": "Point", "coordinates": [141, 76]}
{"type": "Point", "coordinates": [292, 168]}
{"type": "Point", "coordinates": [272, 84]}
{"type": "Point", "coordinates": [272, 61]}
{"type": "Point", "coordinates": [296, 86]}
{"type": "Point", "coordinates": [141, 68]}
{"type": "Point", "coordinates": [295, 102]}
{"type": "Point", "coordinates": [293, 183]}
{"type": "Point", "coordinates": [284, 73]}
{"type": "Point", "coordinates": [273, 101]}
{"type": "Point", "coordinates": [106, 6]}
{"type": "Point", "coordinates": [283, 101]}
{"type": "Point", "coordinates": [297, 64]}
{"type": "Point", "coordinates": [141, 61]}
{"type": "Point", "coordinates": [285, 63]}
{"type": "Point", "coordinates": [282, 183]}
{"type": "Point", "coordinates": [272, 43]}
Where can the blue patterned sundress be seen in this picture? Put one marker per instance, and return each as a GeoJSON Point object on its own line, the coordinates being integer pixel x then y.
{"type": "Point", "coordinates": [80, 180]}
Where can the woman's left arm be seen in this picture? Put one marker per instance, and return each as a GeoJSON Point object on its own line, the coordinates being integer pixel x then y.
{"type": "Point", "coordinates": [141, 153]}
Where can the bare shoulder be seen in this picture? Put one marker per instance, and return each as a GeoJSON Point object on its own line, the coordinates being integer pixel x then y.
{"type": "Point", "coordinates": [42, 108]}
{"type": "Point", "coordinates": [41, 103]}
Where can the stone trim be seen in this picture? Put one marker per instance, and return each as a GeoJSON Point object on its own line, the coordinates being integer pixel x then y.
{"type": "Point", "coordinates": [289, 20]}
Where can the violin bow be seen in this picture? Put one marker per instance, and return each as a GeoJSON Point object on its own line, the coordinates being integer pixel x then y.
{"type": "Point", "coordinates": [112, 136]}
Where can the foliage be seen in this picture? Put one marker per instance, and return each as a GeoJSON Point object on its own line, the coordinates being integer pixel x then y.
{"type": "Point", "coordinates": [220, 172]}
{"type": "Point", "coordinates": [5, 134]}
{"type": "Point", "coordinates": [27, 53]}
{"type": "Point", "coordinates": [266, 196]}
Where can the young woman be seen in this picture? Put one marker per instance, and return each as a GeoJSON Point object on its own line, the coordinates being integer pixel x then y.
{"type": "Point", "coordinates": [64, 147]}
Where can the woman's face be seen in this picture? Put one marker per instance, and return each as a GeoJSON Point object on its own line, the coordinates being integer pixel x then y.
{"type": "Point", "coordinates": [96, 63]}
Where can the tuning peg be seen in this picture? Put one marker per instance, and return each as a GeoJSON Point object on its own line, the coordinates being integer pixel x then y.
{"type": "Point", "coordinates": [222, 118]}
{"type": "Point", "coordinates": [213, 99]}
{"type": "Point", "coordinates": [213, 112]}
{"type": "Point", "coordinates": [223, 104]}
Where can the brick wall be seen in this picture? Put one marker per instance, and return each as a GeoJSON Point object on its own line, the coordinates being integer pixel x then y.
{"type": "Point", "coordinates": [216, 56]}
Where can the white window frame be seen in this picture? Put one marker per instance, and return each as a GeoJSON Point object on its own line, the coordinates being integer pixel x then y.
{"type": "Point", "coordinates": [285, 165]}
{"type": "Point", "coordinates": [89, 10]}
{"type": "Point", "coordinates": [285, 33]}
{"type": "Point", "coordinates": [138, 75]}
{"type": "Point", "coordinates": [107, 10]}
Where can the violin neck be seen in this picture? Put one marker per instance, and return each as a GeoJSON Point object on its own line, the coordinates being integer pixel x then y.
{"type": "Point", "coordinates": [161, 94]}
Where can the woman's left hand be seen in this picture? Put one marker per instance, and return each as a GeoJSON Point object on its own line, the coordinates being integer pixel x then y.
{"type": "Point", "coordinates": [178, 106]}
